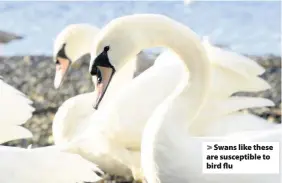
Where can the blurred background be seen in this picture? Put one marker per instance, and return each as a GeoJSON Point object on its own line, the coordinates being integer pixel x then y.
{"type": "Point", "coordinates": [246, 27]}
{"type": "Point", "coordinates": [250, 28]}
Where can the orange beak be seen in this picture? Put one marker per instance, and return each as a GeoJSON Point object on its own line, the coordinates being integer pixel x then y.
{"type": "Point", "coordinates": [104, 78]}
{"type": "Point", "coordinates": [62, 66]}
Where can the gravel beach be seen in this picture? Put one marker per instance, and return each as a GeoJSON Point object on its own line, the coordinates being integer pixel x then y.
{"type": "Point", "coordinates": [33, 75]}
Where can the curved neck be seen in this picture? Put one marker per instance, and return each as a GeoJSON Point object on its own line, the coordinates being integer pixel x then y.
{"type": "Point", "coordinates": [81, 45]}
{"type": "Point", "coordinates": [157, 30]}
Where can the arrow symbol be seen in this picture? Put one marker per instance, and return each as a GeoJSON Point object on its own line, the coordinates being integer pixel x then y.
{"type": "Point", "coordinates": [209, 147]}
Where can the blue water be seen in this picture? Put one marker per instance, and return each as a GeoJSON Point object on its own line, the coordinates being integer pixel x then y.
{"type": "Point", "coordinates": [246, 27]}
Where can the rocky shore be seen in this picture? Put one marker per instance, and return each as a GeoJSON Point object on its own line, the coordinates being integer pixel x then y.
{"type": "Point", "coordinates": [33, 75]}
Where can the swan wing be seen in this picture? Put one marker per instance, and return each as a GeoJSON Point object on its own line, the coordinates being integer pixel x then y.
{"type": "Point", "coordinates": [232, 60]}
{"type": "Point", "coordinates": [231, 73]}
{"type": "Point", "coordinates": [221, 120]}
{"type": "Point", "coordinates": [226, 69]}
{"type": "Point", "coordinates": [226, 82]}
{"type": "Point", "coordinates": [263, 132]}
{"type": "Point", "coordinates": [217, 110]}
{"type": "Point", "coordinates": [230, 67]}
{"type": "Point", "coordinates": [44, 165]}
{"type": "Point", "coordinates": [16, 109]}
{"type": "Point", "coordinates": [71, 118]}
{"type": "Point", "coordinates": [219, 57]}
{"type": "Point", "coordinates": [77, 122]}
{"type": "Point", "coordinates": [238, 122]}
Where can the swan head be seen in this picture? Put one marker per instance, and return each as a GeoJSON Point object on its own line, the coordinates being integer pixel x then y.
{"type": "Point", "coordinates": [71, 43]}
{"type": "Point", "coordinates": [109, 55]}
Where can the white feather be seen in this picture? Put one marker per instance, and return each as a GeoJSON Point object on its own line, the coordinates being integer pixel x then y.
{"type": "Point", "coordinates": [45, 165]}
{"type": "Point", "coordinates": [16, 109]}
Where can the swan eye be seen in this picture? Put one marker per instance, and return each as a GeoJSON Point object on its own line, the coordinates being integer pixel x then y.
{"type": "Point", "coordinates": [62, 53]}
{"type": "Point", "coordinates": [106, 48]}
{"type": "Point", "coordinates": [99, 76]}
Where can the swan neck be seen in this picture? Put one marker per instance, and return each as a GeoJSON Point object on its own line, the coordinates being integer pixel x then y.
{"type": "Point", "coordinates": [82, 46]}
{"type": "Point", "coordinates": [184, 42]}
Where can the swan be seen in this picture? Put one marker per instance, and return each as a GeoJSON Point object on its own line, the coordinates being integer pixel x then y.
{"type": "Point", "coordinates": [74, 115]}
{"type": "Point", "coordinates": [46, 164]}
{"type": "Point", "coordinates": [192, 108]}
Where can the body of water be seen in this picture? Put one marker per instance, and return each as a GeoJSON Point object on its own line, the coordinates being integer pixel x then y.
{"type": "Point", "coordinates": [246, 27]}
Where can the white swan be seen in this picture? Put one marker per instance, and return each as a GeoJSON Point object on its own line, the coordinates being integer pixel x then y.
{"type": "Point", "coordinates": [167, 129]}
{"type": "Point", "coordinates": [47, 164]}
{"type": "Point", "coordinates": [74, 115]}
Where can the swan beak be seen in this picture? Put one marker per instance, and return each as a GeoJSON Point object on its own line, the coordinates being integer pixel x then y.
{"type": "Point", "coordinates": [104, 77]}
{"type": "Point", "coordinates": [62, 66]}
